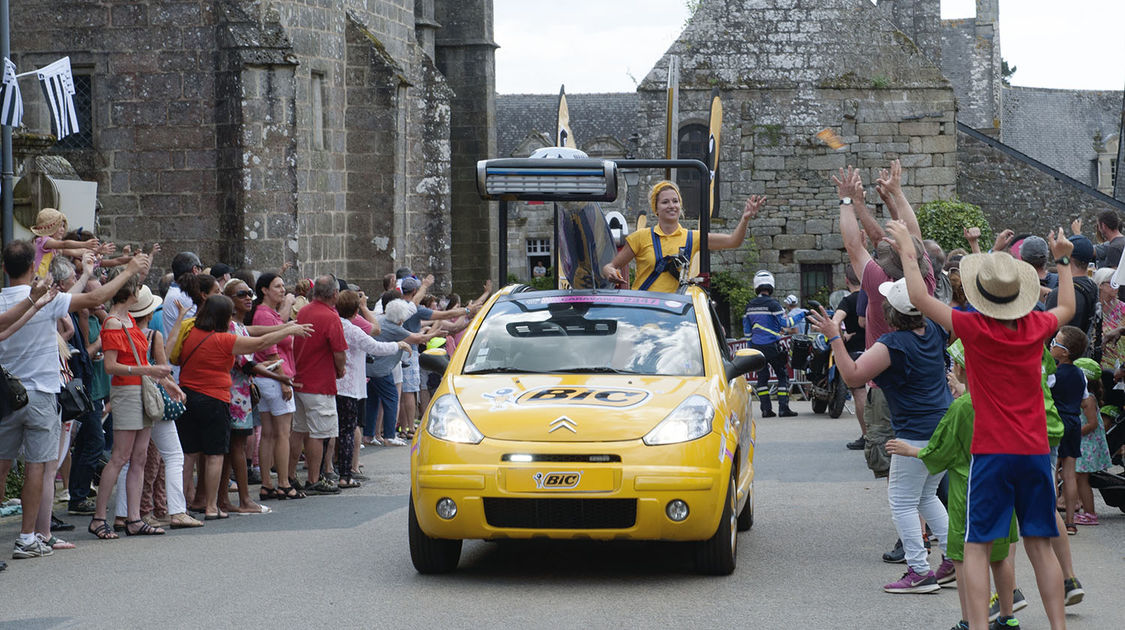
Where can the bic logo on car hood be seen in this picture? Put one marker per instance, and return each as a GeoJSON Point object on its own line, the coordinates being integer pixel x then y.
{"type": "Point", "coordinates": [618, 397]}
{"type": "Point", "coordinates": [561, 480]}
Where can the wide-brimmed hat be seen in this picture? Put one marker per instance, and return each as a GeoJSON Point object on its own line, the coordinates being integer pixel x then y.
{"type": "Point", "coordinates": [898, 296]}
{"type": "Point", "coordinates": [146, 304]}
{"type": "Point", "coordinates": [998, 285]}
{"type": "Point", "coordinates": [47, 222]}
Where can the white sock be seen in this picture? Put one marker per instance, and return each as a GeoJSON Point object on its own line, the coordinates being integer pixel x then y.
{"type": "Point", "coordinates": [27, 539]}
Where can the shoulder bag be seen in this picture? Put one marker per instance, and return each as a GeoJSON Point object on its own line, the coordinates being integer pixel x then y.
{"type": "Point", "coordinates": [173, 409]}
{"type": "Point", "coordinates": [151, 399]}
{"type": "Point", "coordinates": [13, 395]}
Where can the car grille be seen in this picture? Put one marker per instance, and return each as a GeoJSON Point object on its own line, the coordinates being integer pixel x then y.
{"type": "Point", "coordinates": [561, 513]}
{"type": "Point", "coordinates": [596, 458]}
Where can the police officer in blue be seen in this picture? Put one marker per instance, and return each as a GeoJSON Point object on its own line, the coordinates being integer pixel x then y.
{"type": "Point", "coordinates": [764, 323]}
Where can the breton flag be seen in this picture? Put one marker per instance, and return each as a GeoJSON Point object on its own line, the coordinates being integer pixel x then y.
{"type": "Point", "coordinates": [58, 91]}
{"type": "Point", "coordinates": [11, 103]}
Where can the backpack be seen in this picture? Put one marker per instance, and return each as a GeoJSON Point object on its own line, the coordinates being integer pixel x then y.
{"type": "Point", "coordinates": [1092, 325]}
{"type": "Point", "coordinates": [186, 327]}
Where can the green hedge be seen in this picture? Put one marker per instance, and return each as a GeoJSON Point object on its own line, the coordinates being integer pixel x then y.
{"type": "Point", "coordinates": [945, 222]}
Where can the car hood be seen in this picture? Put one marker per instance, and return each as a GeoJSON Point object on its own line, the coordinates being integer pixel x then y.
{"type": "Point", "coordinates": [570, 407]}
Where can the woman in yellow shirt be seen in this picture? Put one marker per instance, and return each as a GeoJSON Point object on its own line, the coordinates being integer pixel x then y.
{"type": "Point", "coordinates": [653, 248]}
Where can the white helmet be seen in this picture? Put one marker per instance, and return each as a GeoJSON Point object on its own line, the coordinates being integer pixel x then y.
{"type": "Point", "coordinates": [763, 278]}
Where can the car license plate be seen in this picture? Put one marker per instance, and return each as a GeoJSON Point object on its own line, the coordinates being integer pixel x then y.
{"type": "Point", "coordinates": [560, 480]}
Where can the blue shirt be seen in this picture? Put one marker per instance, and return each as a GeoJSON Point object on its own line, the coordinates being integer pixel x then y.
{"type": "Point", "coordinates": [915, 384]}
{"type": "Point", "coordinates": [1067, 389]}
{"type": "Point", "coordinates": [764, 320]}
{"type": "Point", "coordinates": [414, 322]}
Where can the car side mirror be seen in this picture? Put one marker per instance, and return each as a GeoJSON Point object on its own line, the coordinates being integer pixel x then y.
{"type": "Point", "coordinates": [745, 360]}
{"type": "Point", "coordinates": [434, 360]}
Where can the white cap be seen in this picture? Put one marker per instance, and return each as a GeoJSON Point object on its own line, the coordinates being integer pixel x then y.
{"type": "Point", "coordinates": [1105, 274]}
{"type": "Point", "coordinates": [763, 278]}
{"type": "Point", "coordinates": [791, 299]}
{"type": "Point", "coordinates": [896, 294]}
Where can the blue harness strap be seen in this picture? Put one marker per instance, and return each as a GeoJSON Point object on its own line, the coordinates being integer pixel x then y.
{"type": "Point", "coordinates": [661, 264]}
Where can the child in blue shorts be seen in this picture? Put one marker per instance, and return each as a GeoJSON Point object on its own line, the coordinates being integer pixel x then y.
{"type": "Point", "coordinates": [1068, 387]}
{"type": "Point", "coordinates": [1010, 469]}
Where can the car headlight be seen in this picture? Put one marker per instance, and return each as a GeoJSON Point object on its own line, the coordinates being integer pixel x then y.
{"type": "Point", "coordinates": [690, 420]}
{"type": "Point", "coordinates": [448, 422]}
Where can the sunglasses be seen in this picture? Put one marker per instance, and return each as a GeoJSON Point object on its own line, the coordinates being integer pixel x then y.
{"type": "Point", "coordinates": [1055, 344]}
{"type": "Point", "coordinates": [244, 294]}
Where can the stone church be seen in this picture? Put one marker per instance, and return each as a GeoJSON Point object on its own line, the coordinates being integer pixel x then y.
{"type": "Point", "coordinates": [337, 136]}
{"type": "Point", "coordinates": [892, 78]}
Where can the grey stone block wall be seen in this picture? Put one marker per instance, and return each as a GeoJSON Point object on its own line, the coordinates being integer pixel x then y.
{"type": "Point", "coordinates": [1015, 195]}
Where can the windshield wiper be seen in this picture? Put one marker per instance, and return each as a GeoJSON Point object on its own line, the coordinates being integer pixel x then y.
{"type": "Point", "coordinates": [505, 370]}
{"type": "Point", "coordinates": [594, 370]}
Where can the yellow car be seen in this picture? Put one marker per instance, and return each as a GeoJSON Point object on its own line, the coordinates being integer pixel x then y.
{"type": "Point", "coordinates": [606, 415]}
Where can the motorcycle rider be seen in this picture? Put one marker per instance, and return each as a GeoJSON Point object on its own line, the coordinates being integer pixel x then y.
{"type": "Point", "coordinates": [764, 322]}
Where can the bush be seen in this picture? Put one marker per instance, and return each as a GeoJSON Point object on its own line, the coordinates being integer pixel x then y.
{"type": "Point", "coordinates": [945, 222]}
{"type": "Point", "coordinates": [737, 291]}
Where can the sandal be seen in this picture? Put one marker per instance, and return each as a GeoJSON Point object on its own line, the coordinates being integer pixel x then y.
{"type": "Point", "coordinates": [1071, 530]}
{"type": "Point", "coordinates": [143, 530]}
{"type": "Point", "coordinates": [181, 521]}
{"type": "Point", "coordinates": [215, 517]}
{"type": "Point", "coordinates": [103, 531]}
{"type": "Point", "coordinates": [268, 494]}
{"type": "Point", "coordinates": [348, 483]}
{"type": "Point", "coordinates": [290, 493]}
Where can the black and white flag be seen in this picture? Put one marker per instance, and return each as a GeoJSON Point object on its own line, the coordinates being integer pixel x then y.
{"type": "Point", "coordinates": [58, 90]}
{"type": "Point", "coordinates": [11, 103]}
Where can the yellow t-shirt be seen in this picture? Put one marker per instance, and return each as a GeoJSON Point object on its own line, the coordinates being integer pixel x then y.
{"type": "Point", "coordinates": [641, 244]}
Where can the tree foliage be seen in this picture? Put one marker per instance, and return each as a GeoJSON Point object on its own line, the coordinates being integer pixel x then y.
{"type": "Point", "coordinates": [945, 222]}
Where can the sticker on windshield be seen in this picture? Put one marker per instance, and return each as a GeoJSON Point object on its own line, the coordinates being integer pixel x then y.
{"type": "Point", "coordinates": [616, 397]}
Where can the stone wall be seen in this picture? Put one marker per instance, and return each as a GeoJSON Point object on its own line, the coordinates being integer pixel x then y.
{"type": "Point", "coordinates": [260, 132]}
{"type": "Point", "coordinates": [781, 82]}
{"type": "Point", "coordinates": [971, 61]}
{"type": "Point", "coordinates": [1014, 193]}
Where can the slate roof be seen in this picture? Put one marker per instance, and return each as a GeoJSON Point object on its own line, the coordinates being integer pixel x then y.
{"type": "Point", "coordinates": [1057, 127]}
{"type": "Point", "coordinates": [591, 116]}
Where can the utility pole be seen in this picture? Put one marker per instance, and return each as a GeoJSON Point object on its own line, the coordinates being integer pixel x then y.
{"type": "Point", "coordinates": [6, 137]}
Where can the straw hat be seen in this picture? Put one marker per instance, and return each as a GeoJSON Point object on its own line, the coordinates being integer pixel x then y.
{"type": "Point", "coordinates": [48, 222]}
{"type": "Point", "coordinates": [998, 285]}
{"type": "Point", "coordinates": [146, 304]}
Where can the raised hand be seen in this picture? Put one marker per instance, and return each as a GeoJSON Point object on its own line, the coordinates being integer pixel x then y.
{"type": "Point", "coordinates": [1002, 241]}
{"type": "Point", "coordinates": [900, 238]}
{"type": "Point", "coordinates": [428, 281]}
{"type": "Point", "coordinates": [1076, 226]}
{"type": "Point", "coordinates": [822, 323]}
{"type": "Point", "coordinates": [1061, 245]}
{"type": "Point", "coordinates": [46, 298]}
{"type": "Point", "coordinates": [39, 288]}
{"type": "Point", "coordinates": [849, 183]}
{"type": "Point", "coordinates": [972, 234]}
{"type": "Point", "coordinates": [753, 205]}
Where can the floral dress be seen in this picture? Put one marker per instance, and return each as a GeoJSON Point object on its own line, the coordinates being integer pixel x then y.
{"type": "Point", "coordinates": [1095, 452]}
{"type": "Point", "coordinates": [240, 385]}
{"type": "Point", "coordinates": [1113, 316]}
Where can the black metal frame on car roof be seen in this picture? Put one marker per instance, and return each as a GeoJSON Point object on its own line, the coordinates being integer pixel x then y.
{"type": "Point", "coordinates": [704, 203]}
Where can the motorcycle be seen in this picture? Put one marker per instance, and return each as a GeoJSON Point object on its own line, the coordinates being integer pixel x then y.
{"type": "Point", "coordinates": [826, 388]}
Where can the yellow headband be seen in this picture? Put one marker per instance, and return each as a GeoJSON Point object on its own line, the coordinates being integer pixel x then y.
{"type": "Point", "coordinates": [660, 187]}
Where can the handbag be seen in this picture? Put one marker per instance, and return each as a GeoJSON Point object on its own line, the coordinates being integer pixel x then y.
{"type": "Point", "coordinates": [13, 395]}
{"type": "Point", "coordinates": [152, 401]}
{"type": "Point", "coordinates": [173, 409]}
{"type": "Point", "coordinates": [74, 400]}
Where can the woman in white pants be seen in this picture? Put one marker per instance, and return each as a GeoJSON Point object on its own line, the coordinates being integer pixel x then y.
{"type": "Point", "coordinates": [163, 435]}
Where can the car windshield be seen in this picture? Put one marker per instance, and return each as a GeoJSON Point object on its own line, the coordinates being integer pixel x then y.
{"type": "Point", "coordinates": [591, 334]}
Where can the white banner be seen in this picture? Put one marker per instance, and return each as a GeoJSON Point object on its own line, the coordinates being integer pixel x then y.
{"type": "Point", "coordinates": [11, 102]}
{"type": "Point", "coordinates": [58, 90]}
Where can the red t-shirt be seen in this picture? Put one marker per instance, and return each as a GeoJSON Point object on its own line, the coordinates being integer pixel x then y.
{"type": "Point", "coordinates": [266, 316]}
{"type": "Point", "coordinates": [208, 365]}
{"type": "Point", "coordinates": [873, 275]}
{"type": "Point", "coordinates": [362, 323]}
{"type": "Point", "coordinates": [316, 366]}
{"type": "Point", "coordinates": [114, 339]}
{"type": "Point", "coordinates": [1005, 373]}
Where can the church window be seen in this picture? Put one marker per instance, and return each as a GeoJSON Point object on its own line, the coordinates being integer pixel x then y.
{"type": "Point", "coordinates": [692, 146]}
{"type": "Point", "coordinates": [83, 110]}
{"type": "Point", "coordinates": [316, 100]}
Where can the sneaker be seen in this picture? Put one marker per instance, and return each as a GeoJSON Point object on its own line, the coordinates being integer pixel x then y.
{"type": "Point", "coordinates": [60, 526]}
{"type": "Point", "coordinates": [33, 549]}
{"type": "Point", "coordinates": [1004, 622]}
{"type": "Point", "coordinates": [1019, 602]}
{"type": "Point", "coordinates": [961, 625]}
{"type": "Point", "coordinates": [857, 445]}
{"type": "Point", "coordinates": [63, 497]}
{"type": "Point", "coordinates": [896, 555]}
{"type": "Point", "coordinates": [1074, 592]}
{"type": "Point", "coordinates": [397, 441]}
{"type": "Point", "coordinates": [85, 507]}
{"type": "Point", "coordinates": [945, 572]}
{"type": "Point", "coordinates": [1085, 518]}
{"type": "Point", "coordinates": [322, 487]}
{"type": "Point", "coordinates": [911, 582]}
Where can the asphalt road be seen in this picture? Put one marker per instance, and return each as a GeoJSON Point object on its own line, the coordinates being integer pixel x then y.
{"type": "Point", "coordinates": [812, 560]}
